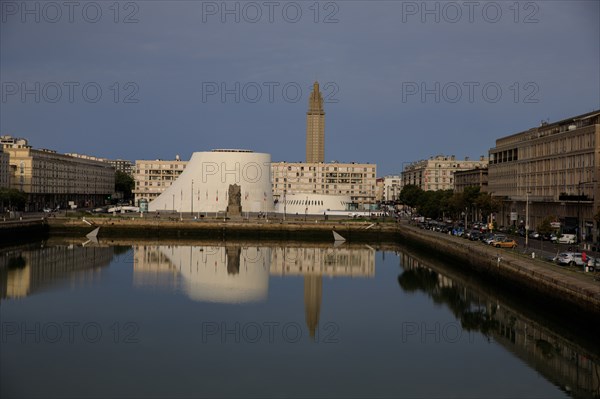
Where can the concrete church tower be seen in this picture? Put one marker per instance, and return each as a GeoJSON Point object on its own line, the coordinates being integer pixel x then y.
{"type": "Point", "coordinates": [315, 127]}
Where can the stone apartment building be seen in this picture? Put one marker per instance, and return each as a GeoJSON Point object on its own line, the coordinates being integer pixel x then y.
{"type": "Point", "coordinates": [437, 173]}
{"type": "Point", "coordinates": [552, 169]}
{"type": "Point", "coordinates": [152, 177]}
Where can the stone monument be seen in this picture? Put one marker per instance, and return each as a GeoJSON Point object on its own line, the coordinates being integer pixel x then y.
{"type": "Point", "coordinates": [234, 207]}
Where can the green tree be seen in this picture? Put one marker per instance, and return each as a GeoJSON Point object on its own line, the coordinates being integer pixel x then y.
{"type": "Point", "coordinates": [124, 184]}
{"type": "Point", "coordinates": [12, 198]}
{"type": "Point", "coordinates": [545, 227]}
{"type": "Point", "coordinates": [411, 195]}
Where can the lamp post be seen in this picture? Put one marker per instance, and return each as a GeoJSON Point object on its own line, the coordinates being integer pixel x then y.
{"type": "Point", "coordinates": [192, 200]}
{"type": "Point", "coordinates": [527, 219]}
{"type": "Point", "coordinates": [306, 209]}
{"type": "Point", "coordinates": [284, 202]}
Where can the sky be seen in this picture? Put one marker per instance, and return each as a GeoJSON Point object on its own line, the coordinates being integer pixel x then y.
{"type": "Point", "coordinates": [402, 80]}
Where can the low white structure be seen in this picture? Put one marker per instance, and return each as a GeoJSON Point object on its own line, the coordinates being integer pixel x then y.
{"type": "Point", "coordinates": [313, 204]}
{"type": "Point", "coordinates": [204, 184]}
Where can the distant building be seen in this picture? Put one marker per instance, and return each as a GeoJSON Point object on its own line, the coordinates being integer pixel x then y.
{"type": "Point", "coordinates": [315, 127]}
{"type": "Point", "coordinates": [153, 177]}
{"type": "Point", "coordinates": [379, 197]}
{"type": "Point", "coordinates": [392, 186]}
{"type": "Point", "coordinates": [477, 177]}
{"type": "Point", "coordinates": [51, 179]}
{"type": "Point", "coordinates": [437, 173]}
{"type": "Point", "coordinates": [4, 170]}
{"type": "Point", "coordinates": [554, 168]}
{"type": "Point", "coordinates": [356, 180]}
{"type": "Point", "coordinates": [122, 165]}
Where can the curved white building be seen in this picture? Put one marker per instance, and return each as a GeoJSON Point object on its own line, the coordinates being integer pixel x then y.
{"type": "Point", "coordinates": [312, 204]}
{"type": "Point", "coordinates": [204, 184]}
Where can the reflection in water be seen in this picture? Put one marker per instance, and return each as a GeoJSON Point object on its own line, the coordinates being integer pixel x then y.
{"type": "Point", "coordinates": [235, 273]}
{"type": "Point", "coordinates": [227, 274]}
{"type": "Point", "coordinates": [561, 361]}
{"type": "Point", "coordinates": [30, 270]}
{"type": "Point", "coordinates": [313, 286]}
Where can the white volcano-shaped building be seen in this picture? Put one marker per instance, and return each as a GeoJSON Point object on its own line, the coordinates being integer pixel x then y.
{"type": "Point", "coordinates": [204, 184]}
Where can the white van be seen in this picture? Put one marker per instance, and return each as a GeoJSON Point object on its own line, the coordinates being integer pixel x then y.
{"type": "Point", "coordinates": [567, 239]}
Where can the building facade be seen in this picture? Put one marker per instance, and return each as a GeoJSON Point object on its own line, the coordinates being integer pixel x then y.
{"type": "Point", "coordinates": [122, 165]}
{"type": "Point", "coordinates": [4, 170]}
{"type": "Point", "coordinates": [477, 177]}
{"type": "Point", "coordinates": [153, 177]}
{"type": "Point", "coordinates": [315, 127]}
{"type": "Point", "coordinates": [204, 185]}
{"type": "Point", "coordinates": [437, 173]}
{"type": "Point", "coordinates": [356, 180]}
{"type": "Point", "coordinates": [392, 186]}
{"type": "Point", "coordinates": [552, 170]}
{"type": "Point", "coordinates": [57, 180]}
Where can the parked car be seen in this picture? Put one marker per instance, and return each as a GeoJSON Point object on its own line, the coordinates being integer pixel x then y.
{"type": "Point", "coordinates": [573, 259]}
{"type": "Point", "coordinates": [495, 237]}
{"type": "Point", "coordinates": [567, 239]}
{"type": "Point", "coordinates": [504, 243]}
{"type": "Point", "coordinates": [474, 236]}
{"type": "Point", "coordinates": [535, 235]}
{"type": "Point", "coordinates": [549, 237]}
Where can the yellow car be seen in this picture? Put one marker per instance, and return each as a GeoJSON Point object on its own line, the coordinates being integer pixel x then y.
{"type": "Point", "coordinates": [505, 243]}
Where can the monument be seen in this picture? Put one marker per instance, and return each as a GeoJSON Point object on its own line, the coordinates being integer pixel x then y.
{"type": "Point", "coordinates": [234, 207]}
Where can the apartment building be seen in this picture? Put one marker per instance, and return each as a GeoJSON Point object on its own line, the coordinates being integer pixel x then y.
{"type": "Point", "coordinates": [437, 173]}
{"type": "Point", "coordinates": [153, 177]}
{"type": "Point", "coordinates": [477, 177]}
{"type": "Point", "coordinates": [553, 170]}
{"type": "Point", "coordinates": [51, 179]}
{"type": "Point", "coordinates": [357, 180]}
{"type": "Point", "coordinates": [4, 170]}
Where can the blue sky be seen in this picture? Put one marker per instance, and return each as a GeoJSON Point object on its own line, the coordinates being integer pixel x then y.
{"type": "Point", "coordinates": [403, 80]}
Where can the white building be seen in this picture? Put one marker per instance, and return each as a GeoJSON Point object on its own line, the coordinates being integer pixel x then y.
{"type": "Point", "coordinates": [356, 180]}
{"type": "Point", "coordinates": [392, 186]}
{"type": "Point", "coordinates": [204, 184]}
{"type": "Point", "coordinates": [312, 204]}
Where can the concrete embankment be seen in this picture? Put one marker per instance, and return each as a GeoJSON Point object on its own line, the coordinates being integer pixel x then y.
{"type": "Point", "coordinates": [512, 267]}
{"type": "Point", "coordinates": [227, 230]}
{"type": "Point", "coordinates": [505, 266]}
{"type": "Point", "coordinates": [16, 230]}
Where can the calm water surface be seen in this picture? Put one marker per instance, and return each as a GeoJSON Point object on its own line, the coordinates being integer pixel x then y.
{"type": "Point", "coordinates": [231, 319]}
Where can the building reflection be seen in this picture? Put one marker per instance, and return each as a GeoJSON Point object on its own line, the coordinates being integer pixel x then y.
{"type": "Point", "coordinates": [563, 362]}
{"type": "Point", "coordinates": [27, 270]}
{"type": "Point", "coordinates": [226, 274]}
{"type": "Point", "coordinates": [315, 262]}
{"type": "Point", "coordinates": [235, 273]}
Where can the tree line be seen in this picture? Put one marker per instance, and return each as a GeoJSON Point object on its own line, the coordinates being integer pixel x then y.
{"type": "Point", "coordinates": [446, 203]}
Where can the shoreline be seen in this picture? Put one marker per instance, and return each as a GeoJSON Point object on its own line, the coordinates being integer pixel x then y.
{"type": "Point", "coordinates": [513, 269]}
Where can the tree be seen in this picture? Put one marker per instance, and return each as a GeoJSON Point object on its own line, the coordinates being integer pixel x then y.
{"type": "Point", "coordinates": [411, 195]}
{"type": "Point", "coordinates": [12, 198]}
{"type": "Point", "coordinates": [546, 226]}
{"type": "Point", "coordinates": [124, 183]}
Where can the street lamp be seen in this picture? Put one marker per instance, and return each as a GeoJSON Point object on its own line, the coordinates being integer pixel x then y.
{"type": "Point", "coordinates": [306, 209]}
{"type": "Point", "coordinates": [527, 219]}
{"type": "Point", "coordinates": [284, 201]}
